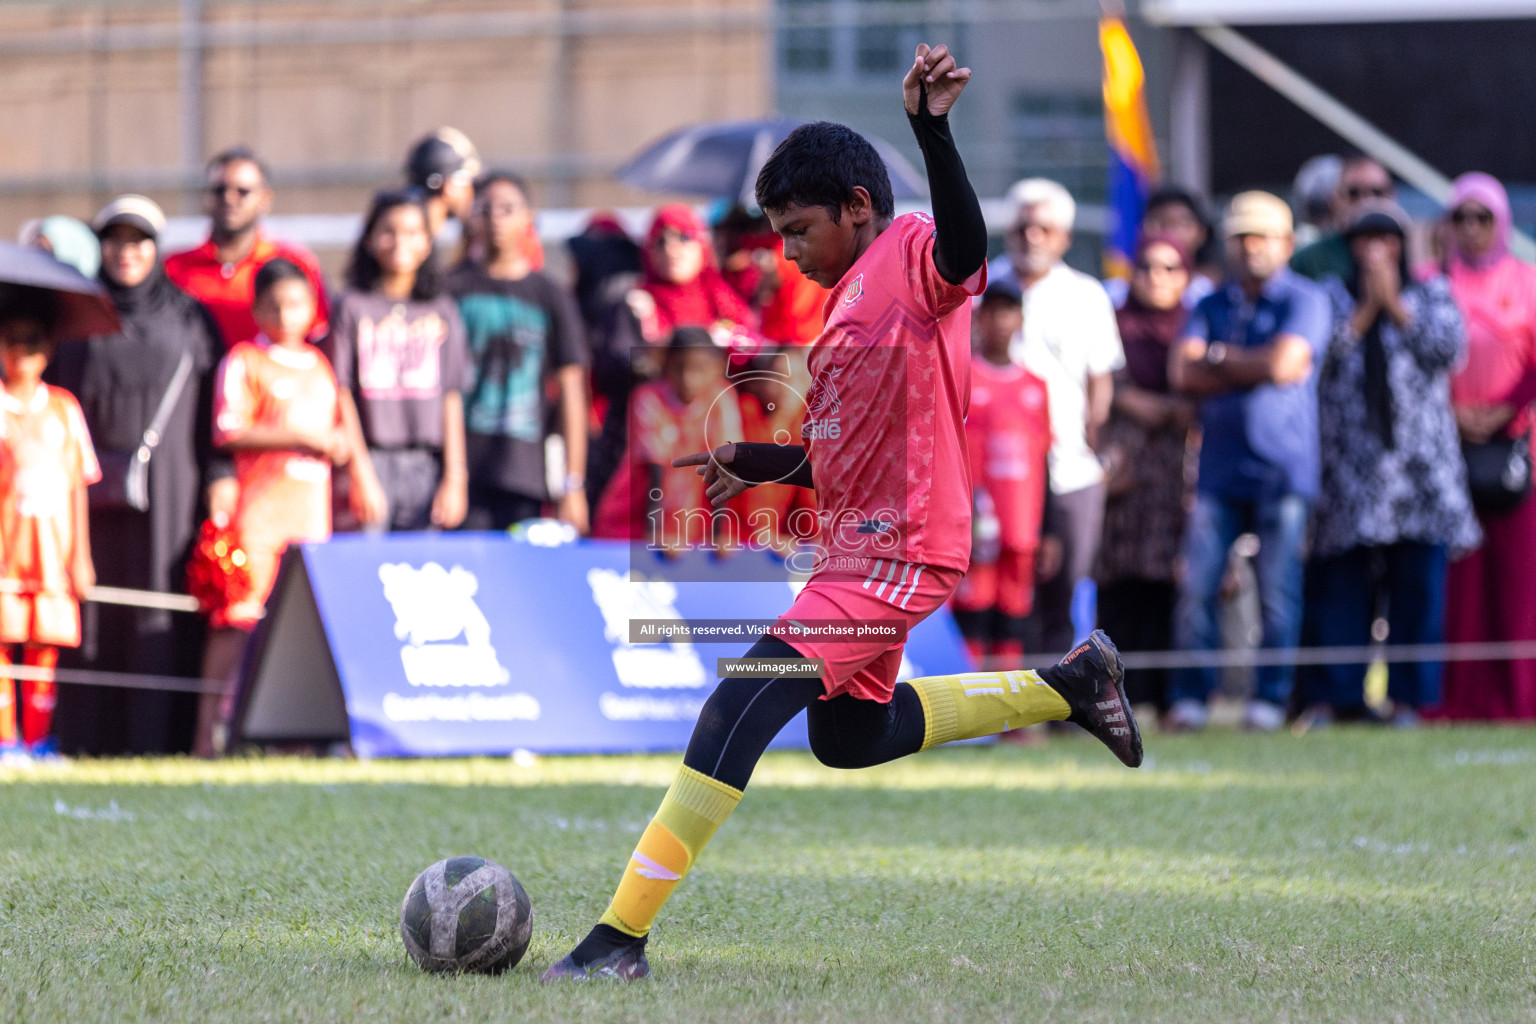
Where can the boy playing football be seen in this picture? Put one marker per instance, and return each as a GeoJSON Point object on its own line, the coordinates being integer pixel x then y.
{"type": "Point", "coordinates": [886, 453]}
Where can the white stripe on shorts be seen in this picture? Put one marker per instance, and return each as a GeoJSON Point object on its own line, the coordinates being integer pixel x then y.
{"type": "Point", "coordinates": [913, 589]}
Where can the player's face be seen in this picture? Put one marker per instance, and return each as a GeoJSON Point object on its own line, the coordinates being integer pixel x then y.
{"type": "Point", "coordinates": [506, 214]}
{"type": "Point", "coordinates": [1158, 280]}
{"type": "Point", "coordinates": [286, 311]}
{"type": "Point", "coordinates": [696, 372]}
{"type": "Point", "coordinates": [236, 196]}
{"type": "Point", "coordinates": [998, 322]}
{"type": "Point", "coordinates": [24, 350]}
{"type": "Point", "coordinates": [400, 241]}
{"type": "Point", "coordinates": [822, 248]}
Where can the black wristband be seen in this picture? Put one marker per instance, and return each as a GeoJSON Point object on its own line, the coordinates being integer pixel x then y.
{"type": "Point", "coordinates": [759, 462]}
{"type": "Point", "coordinates": [960, 245]}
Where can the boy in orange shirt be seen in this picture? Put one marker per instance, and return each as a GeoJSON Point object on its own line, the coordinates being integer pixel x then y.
{"type": "Point", "coordinates": [46, 463]}
{"type": "Point", "coordinates": [277, 410]}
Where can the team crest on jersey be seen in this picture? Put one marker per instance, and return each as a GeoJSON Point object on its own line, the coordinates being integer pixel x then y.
{"type": "Point", "coordinates": [821, 405]}
{"type": "Point", "coordinates": [855, 291]}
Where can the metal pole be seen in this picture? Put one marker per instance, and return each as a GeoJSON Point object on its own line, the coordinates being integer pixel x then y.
{"type": "Point", "coordinates": [190, 89]}
{"type": "Point", "coordinates": [1190, 128]}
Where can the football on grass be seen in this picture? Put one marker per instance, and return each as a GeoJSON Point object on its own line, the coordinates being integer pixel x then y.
{"type": "Point", "coordinates": [466, 914]}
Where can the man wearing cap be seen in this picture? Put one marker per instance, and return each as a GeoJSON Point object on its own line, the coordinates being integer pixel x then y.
{"type": "Point", "coordinates": [221, 273]}
{"type": "Point", "coordinates": [1248, 354]}
{"type": "Point", "coordinates": [444, 166]}
{"type": "Point", "coordinates": [150, 385]}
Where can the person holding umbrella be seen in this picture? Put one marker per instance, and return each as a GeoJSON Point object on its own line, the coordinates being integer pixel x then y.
{"type": "Point", "coordinates": [146, 386]}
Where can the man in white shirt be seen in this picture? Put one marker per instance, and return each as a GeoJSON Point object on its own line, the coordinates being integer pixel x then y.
{"type": "Point", "coordinates": [1071, 342]}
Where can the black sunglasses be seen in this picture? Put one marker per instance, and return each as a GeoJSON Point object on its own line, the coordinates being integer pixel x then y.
{"type": "Point", "coordinates": [219, 191]}
{"type": "Point", "coordinates": [1356, 192]}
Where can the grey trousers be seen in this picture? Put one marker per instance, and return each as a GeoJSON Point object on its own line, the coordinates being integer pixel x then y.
{"type": "Point", "coordinates": [1077, 520]}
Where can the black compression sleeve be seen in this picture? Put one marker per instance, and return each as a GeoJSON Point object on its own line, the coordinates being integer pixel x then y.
{"type": "Point", "coordinates": [960, 247]}
{"type": "Point", "coordinates": [761, 462]}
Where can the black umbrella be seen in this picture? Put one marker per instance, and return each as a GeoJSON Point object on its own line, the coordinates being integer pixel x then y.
{"type": "Point", "coordinates": [722, 158]}
{"type": "Point", "coordinates": [84, 306]}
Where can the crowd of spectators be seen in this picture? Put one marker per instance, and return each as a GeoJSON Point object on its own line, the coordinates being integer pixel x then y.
{"type": "Point", "coordinates": [1359, 406]}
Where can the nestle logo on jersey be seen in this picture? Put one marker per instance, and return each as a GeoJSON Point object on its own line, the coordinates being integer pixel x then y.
{"type": "Point", "coordinates": [822, 430]}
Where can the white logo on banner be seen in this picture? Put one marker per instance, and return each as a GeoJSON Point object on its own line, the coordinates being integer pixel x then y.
{"type": "Point", "coordinates": [434, 605]}
{"type": "Point", "coordinates": [670, 666]}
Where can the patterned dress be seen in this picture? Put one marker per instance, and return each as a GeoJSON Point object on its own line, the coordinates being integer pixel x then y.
{"type": "Point", "coordinates": [1417, 490]}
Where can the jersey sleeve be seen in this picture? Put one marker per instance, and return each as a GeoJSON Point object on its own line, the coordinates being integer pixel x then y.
{"type": "Point", "coordinates": [939, 297]}
{"type": "Point", "coordinates": [87, 467]}
{"type": "Point", "coordinates": [234, 400]}
{"type": "Point", "coordinates": [1100, 333]}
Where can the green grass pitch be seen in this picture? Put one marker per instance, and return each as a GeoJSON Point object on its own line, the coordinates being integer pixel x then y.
{"type": "Point", "coordinates": [1342, 876]}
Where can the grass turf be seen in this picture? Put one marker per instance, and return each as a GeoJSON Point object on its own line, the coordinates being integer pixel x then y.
{"type": "Point", "coordinates": [1345, 875]}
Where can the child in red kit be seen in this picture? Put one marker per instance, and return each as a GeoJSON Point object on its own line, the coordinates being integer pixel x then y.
{"type": "Point", "coordinates": [1008, 433]}
{"type": "Point", "coordinates": [648, 499]}
{"type": "Point", "coordinates": [277, 409]}
{"type": "Point", "coordinates": [46, 463]}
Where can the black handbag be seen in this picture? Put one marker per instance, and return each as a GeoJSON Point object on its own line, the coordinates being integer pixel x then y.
{"type": "Point", "coordinates": [124, 483]}
{"type": "Point", "coordinates": [1498, 472]}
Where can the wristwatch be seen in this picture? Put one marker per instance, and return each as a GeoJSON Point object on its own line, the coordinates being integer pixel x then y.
{"type": "Point", "coordinates": [1215, 353]}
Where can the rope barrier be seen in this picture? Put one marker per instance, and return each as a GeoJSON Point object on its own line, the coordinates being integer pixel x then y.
{"type": "Point", "coordinates": [1510, 650]}
{"type": "Point", "coordinates": [121, 680]}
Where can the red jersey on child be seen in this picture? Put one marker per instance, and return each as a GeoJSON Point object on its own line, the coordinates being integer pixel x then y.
{"type": "Point", "coordinates": [1009, 434]}
{"type": "Point", "coordinates": [661, 428]}
{"type": "Point", "coordinates": [45, 456]}
{"type": "Point", "coordinates": [285, 495]}
{"type": "Point", "coordinates": [885, 424]}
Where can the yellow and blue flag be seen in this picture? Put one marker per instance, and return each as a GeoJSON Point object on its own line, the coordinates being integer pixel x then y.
{"type": "Point", "coordinates": [1133, 167]}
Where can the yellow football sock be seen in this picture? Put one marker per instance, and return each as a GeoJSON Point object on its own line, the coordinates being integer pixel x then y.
{"type": "Point", "coordinates": [692, 810]}
{"type": "Point", "coordinates": [976, 704]}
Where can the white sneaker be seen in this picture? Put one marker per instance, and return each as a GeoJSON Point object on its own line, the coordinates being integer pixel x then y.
{"type": "Point", "coordinates": [1187, 715]}
{"type": "Point", "coordinates": [1262, 716]}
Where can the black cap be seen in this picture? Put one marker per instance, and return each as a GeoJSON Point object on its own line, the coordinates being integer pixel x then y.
{"type": "Point", "coordinates": [1377, 217]}
{"type": "Point", "coordinates": [444, 154]}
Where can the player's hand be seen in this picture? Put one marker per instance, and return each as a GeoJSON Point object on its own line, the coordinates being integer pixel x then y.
{"type": "Point", "coordinates": [573, 510]}
{"type": "Point", "coordinates": [720, 484]}
{"type": "Point", "coordinates": [223, 498]}
{"type": "Point", "coordinates": [367, 499]}
{"type": "Point", "coordinates": [82, 577]}
{"type": "Point", "coordinates": [451, 502]}
{"type": "Point", "coordinates": [935, 68]}
{"type": "Point", "coordinates": [337, 447]}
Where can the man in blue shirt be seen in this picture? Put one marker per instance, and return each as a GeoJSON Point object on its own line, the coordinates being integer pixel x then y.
{"type": "Point", "coordinates": [1248, 354]}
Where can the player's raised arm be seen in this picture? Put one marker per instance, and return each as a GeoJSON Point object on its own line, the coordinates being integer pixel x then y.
{"type": "Point", "coordinates": [930, 88]}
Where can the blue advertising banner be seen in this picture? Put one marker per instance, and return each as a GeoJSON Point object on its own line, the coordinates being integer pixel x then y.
{"type": "Point", "coordinates": [461, 644]}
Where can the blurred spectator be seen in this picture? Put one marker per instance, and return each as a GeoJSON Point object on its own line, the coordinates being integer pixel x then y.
{"type": "Point", "coordinates": [277, 409]}
{"type": "Point", "coordinates": [443, 166]}
{"type": "Point", "coordinates": [522, 329]}
{"type": "Point", "coordinates": [1177, 216]}
{"type": "Point", "coordinates": [1489, 593]}
{"type": "Point", "coordinates": [167, 353]}
{"type": "Point", "coordinates": [1008, 434]}
{"type": "Point", "coordinates": [46, 462]}
{"type": "Point", "coordinates": [1248, 354]}
{"type": "Point", "coordinates": [1393, 496]}
{"type": "Point", "coordinates": [68, 239]}
{"type": "Point", "coordinates": [607, 269]}
{"type": "Point", "coordinates": [787, 303]}
{"type": "Point", "coordinates": [771, 397]}
{"type": "Point", "coordinates": [1069, 341]}
{"type": "Point", "coordinates": [681, 413]}
{"type": "Point", "coordinates": [397, 346]}
{"type": "Point", "coordinates": [1312, 197]}
{"type": "Point", "coordinates": [221, 273]}
{"type": "Point", "coordinates": [1144, 446]}
{"type": "Point", "coordinates": [683, 287]}
{"type": "Point", "coordinates": [1360, 178]}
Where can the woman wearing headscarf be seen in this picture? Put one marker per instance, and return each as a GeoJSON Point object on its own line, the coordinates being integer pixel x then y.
{"type": "Point", "coordinates": [1144, 444]}
{"type": "Point", "coordinates": [164, 358]}
{"type": "Point", "coordinates": [1489, 593]}
{"type": "Point", "coordinates": [1393, 501]}
{"type": "Point", "coordinates": [683, 286]}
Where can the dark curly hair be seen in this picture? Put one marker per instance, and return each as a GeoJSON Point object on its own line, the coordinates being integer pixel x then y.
{"type": "Point", "coordinates": [819, 164]}
{"type": "Point", "coordinates": [364, 272]}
